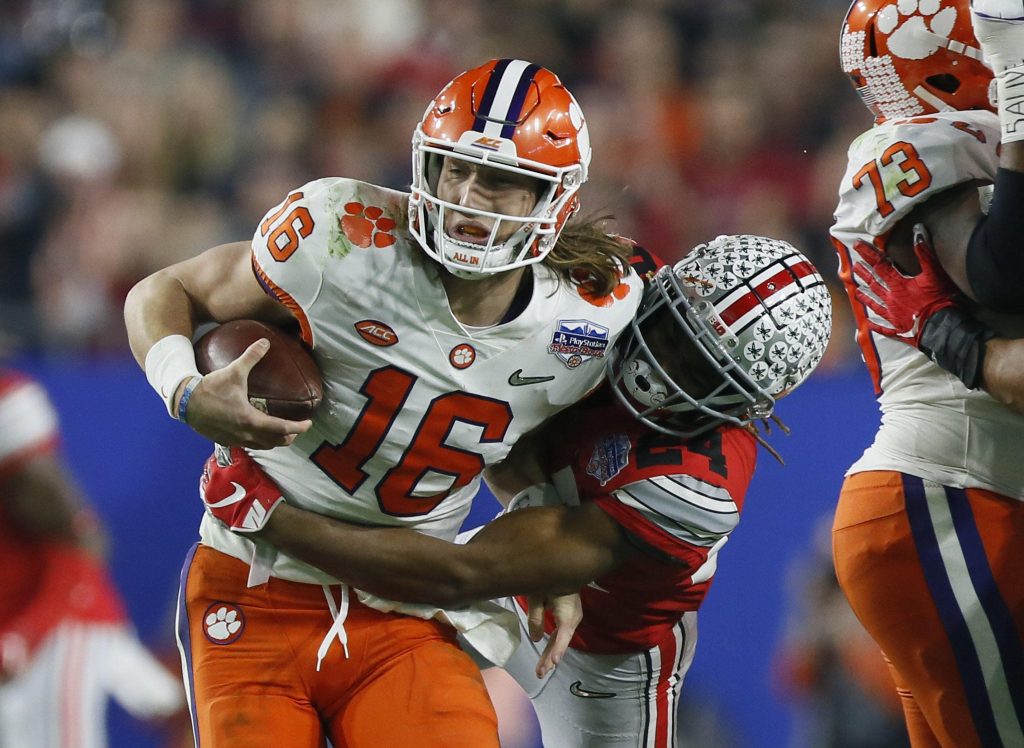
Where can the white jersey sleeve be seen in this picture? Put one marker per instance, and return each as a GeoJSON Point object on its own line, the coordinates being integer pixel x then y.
{"type": "Point", "coordinates": [28, 420]}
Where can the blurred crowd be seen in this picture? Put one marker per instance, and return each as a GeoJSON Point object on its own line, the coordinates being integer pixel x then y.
{"type": "Point", "coordinates": [137, 133]}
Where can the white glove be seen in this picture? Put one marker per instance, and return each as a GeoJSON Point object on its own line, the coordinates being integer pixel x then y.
{"type": "Point", "coordinates": [999, 26]}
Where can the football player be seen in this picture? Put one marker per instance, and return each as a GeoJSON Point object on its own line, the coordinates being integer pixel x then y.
{"type": "Point", "coordinates": [926, 531]}
{"type": "Point", "coordinates": [626, 497]}
{"type": "Point", "coordinates": [446, 322]}
{"type": "Point", "coordinates": [66, 645]}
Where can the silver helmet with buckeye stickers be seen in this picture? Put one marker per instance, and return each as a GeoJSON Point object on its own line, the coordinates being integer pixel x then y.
{"type": "Point", "coordinates": [737, 324]}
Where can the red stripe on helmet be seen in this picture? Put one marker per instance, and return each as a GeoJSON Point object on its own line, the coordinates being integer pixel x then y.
{"type": "Point", "coordinates": [764, 290]}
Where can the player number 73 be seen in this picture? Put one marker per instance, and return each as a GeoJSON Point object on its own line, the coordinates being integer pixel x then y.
{"type": "Point", "coordinates": [904, 156]}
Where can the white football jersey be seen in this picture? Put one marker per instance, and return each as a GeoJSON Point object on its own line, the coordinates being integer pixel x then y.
{"type": "Point", "coordinates": [932, 426]}
{"type": "Point", "coordinates": [415, 404]}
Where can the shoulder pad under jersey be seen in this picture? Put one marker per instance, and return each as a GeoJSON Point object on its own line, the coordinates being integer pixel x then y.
{"type": "Point", "coordinates": [327, 220]}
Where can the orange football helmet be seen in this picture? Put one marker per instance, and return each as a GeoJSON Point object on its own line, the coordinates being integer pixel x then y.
{"type": "Point", "coordinates": [511, 115]}
{"type": "Point", "coordinates": [910, 58]}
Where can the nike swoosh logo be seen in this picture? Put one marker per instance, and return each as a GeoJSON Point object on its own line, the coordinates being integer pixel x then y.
{"type": "Point", "coordinates": [576, 690]}
{"type": "Point", "coordinates": [517, 380]}
{"type": "Point", "coordinates": [237, 495]}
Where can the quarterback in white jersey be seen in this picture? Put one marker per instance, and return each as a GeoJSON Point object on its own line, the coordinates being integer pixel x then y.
{"type": "Point", "coordinates": [449, 399]}
{"type": "Point", "coordinates": [446, 322]}
{"type": "Point", "coordinates": [926, 537]}
{"type": "Point", "coordinates": [629, 495]}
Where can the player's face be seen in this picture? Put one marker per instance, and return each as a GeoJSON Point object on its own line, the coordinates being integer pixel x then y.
{"type": "Point", "coordinates": [484, 188]}
{"type": "Point", "coordinates": [679, 356]}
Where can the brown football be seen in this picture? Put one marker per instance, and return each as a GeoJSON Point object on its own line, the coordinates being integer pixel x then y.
{"type": "Point", "coordinates": [285, 383]}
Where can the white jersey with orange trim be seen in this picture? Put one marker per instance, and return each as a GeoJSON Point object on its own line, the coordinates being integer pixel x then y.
{"type": "Point", "coordinates": [932, 426]}
{"type": "Point", "coordinates": [415, 403]}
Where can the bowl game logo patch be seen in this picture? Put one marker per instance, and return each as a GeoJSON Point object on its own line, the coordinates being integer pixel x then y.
{"type": "Point", "coordinates": [578, 340]}
{"type": "Point", "coordinates": [610, 456]}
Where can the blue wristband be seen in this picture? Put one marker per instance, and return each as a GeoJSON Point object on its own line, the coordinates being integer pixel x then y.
{"type": "Point", "coordinates": [186, 395]}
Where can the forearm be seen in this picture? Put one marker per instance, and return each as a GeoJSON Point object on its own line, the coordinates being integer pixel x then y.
{"type": "Point", "coordinates": [396, 563]}
{"type": "Point", "coordinates": [1012, 156]}
{"type": "Point", "coordinates": [529, 552]}
{"type": "Point", "coordinates": [1002, 372]}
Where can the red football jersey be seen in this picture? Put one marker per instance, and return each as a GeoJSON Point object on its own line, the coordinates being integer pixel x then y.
{"type": "Point", "coordinates": [678, 501]}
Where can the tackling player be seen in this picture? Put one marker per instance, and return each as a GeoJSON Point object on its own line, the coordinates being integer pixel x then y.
{"type": "Point", "coordinates": [446, 323]}
{"type": "Point", "coordinates": [927, 528]}
{"type": "Point", "coordinates": [66, 645]}
{"type": "Point", "coordinates": [647, 480]}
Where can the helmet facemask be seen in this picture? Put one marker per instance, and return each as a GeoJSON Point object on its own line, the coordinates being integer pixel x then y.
{"type": "Point", "coordinates": [738, 323]}
{"type": "Point", "coordinates": [535, 234]}
{"type": "Point", "coordinates": [674, 331]}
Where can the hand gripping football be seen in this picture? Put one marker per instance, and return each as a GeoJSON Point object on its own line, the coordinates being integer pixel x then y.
{"type": "Point", "coordinates": [285, 383]}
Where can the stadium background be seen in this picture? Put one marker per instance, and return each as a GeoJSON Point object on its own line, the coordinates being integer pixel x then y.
{"type": "Point", "coordinates": [137, 133]}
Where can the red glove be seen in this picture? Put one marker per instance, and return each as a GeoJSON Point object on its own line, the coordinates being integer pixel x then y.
{"type": "Point", "coordinates": [905, 302]}
{"type": "Point", "coordinates": [236, 491]}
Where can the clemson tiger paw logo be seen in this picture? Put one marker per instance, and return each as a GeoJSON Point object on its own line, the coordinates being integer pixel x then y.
{"type": "Point", "coordinates": [366, 226]}
{"type": "Point", "coordinates": [223, 623]}
{"type": "Point", "coordinates": [618, 293]}
{"type": "Point", "coordinates": [905, 20]}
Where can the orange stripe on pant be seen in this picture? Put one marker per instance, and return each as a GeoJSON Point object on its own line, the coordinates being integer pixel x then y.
{"type": "Point", "coordinates": [934, 574]}
{"type": "Point", "coordinates": [253, 656]}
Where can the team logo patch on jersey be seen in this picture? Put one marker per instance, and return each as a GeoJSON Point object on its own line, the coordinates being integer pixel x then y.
{"type": "Point", "coordinates": [462, 356]}
{"type": "Point", "coordinates": [610, 456]}
{"type": "Point", "coordinates": [376, 332]}
{"type": "Point", "coordinates": [223, 623]}
{"type": "Point", "coordinates": [578, 340]}
{"type": "Point", "coordinates": [367, 225]}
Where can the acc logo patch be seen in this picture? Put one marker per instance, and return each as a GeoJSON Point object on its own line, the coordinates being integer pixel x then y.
{"type": "Point", "coordinates": [610, 456]}
{"type": "Point", "coordinates": [578, 340]}
{"type": "Point", "coordinates": [376, 332]}
{"type": "Point", "coordinates": [223, 623]}
{"type": "Point", "coordinates": [491, 144]}
{"type": "Point", "coordinates": [462, 356]}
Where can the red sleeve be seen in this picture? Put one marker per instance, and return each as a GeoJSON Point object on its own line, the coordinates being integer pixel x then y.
{"type": "Point", "coordinates": [652, 536]}
{"type": "Point", "coordinates": [73, 585]}
{"type": "Point", "coordinates": [680, 499]}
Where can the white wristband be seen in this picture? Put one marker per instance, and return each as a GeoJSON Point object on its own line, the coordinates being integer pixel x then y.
{"type": "Point", "coordinates": [1010, 88]}
{"type": "Point", "coordinates": [170, 361]}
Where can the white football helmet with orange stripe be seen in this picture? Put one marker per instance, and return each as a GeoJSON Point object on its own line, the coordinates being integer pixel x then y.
{"type": "Point", "coordinates": [737, 324]}
{"type": "Point", "coordinates": [511, 115]}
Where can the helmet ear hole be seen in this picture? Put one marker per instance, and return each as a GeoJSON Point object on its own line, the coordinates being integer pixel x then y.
{"type": "Point", "coordinates": [946, 82]}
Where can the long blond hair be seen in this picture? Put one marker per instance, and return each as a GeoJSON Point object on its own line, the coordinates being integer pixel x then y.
{"type": "Point", "coordinates": [586, 255]}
